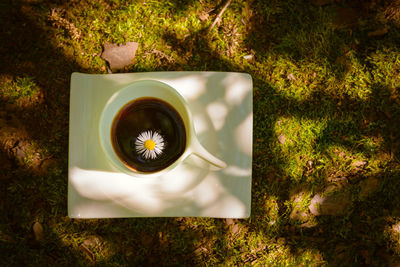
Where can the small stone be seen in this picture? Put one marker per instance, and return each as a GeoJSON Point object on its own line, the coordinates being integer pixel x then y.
{"type": "Point", "coordinates": [329, 205]}
{"type": "Point", "coordinates": [119, 56]}
{"type": "Point", "coordinates": [315, 201]}
{"type": "Point", "coordinates": [282, 139]}
{"type": "Point", "coordinates": [38, 231]}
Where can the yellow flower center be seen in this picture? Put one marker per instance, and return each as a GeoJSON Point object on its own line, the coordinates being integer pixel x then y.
{"type": "Point", "coordinates": [149, 144]}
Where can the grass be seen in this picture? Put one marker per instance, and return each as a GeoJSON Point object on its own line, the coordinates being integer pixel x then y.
{"type": "Point", "coordinates": [328, 88]}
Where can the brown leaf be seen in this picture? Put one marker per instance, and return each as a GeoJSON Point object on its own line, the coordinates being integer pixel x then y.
{"type": "Point", "coordinates": [379, 32]}
{"type": "Point", "coordinates": [92, 242]}
{"type": "Point", "coordinates": [38, 231]}
{"type": "Point", "coordinates": [203, 16]}
{"type": "Point", "coordinates": [234, 229]}
{"type": "Point", "coordinates": [119, 56]}
{"type": "Point", "coordinates": [291, 77]}
{"type": "Point", "coordinates": [229, 221]}
{"type": "Point", "coordinates": [329, 205]}
{"type": "Point", "coordinates": [282, 139]}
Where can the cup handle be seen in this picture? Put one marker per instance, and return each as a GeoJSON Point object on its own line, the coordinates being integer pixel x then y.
{"type": "Point", "coordinates": [201, 152]}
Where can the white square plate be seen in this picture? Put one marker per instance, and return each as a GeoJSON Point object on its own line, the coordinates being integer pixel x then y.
{"type": "Point", "coordinates": [222, 107]}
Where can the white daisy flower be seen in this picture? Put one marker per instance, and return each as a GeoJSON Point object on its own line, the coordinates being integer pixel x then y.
{"type": "Point", "coordinates": [149, 144]}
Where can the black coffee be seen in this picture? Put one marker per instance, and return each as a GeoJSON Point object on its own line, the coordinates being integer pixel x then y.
{"type": "Point", "coordinates": [148, 135]}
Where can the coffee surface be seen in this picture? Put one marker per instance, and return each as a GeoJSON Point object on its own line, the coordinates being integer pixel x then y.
{"type": "Point", "coordinates": [148, 117]}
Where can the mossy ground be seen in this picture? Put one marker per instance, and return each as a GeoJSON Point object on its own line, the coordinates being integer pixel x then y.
{"type": "Point", "coordinates": [326, 115]}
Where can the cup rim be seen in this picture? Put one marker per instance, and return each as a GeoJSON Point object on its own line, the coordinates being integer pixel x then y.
{"type": "Point", "coordinates": [105, 139]}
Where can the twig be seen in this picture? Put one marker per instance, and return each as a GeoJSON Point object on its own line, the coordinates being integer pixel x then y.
{"type": "Point", "coordinates": [219, 16]}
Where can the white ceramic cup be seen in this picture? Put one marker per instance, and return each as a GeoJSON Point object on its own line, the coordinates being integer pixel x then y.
{"type": "Point", "coordinates": [162, 91]}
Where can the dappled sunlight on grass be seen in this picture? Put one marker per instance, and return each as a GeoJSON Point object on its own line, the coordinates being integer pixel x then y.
{"type": "Point", "coordinates": [296, 138]}
{"type": "Point", "coordinates": [326, 120]}
{"type": "Point", "coordinates": [20, 90]}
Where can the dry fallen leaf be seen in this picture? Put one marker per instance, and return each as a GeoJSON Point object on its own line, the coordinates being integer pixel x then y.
{"type": "Point", "coordinates": [359, 163]}
{"type": "Point", "coordinates": [93, 241]}
{"type": "Point", "coordinates": [291, 77]}
{"type": "Point", "coordinates": [38, 231]}
{"type": "Point", "coordinates": [203, 16]}
{"type": "Point", "coordinates": [119, 56]}
{"type": "Point", "coordinates": [229, 221]}
{"type": "Point", "coordinates": [379, 32]}
{"type": "Point", "coordinates": [235, 229]}
{"type": "Point", "coordinates": [281, 139]}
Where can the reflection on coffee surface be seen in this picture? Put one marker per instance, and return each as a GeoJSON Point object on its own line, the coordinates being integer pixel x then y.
{"type": "Point", "coordinates": [148, 135]}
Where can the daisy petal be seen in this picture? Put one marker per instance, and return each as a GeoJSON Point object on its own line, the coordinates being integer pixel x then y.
{"type": "Point", "coordinates": [151, 153]}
